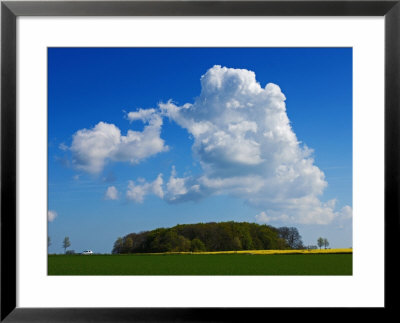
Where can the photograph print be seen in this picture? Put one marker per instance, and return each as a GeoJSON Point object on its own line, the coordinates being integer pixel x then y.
{"type": "Point", "coordinates": [200, 161]}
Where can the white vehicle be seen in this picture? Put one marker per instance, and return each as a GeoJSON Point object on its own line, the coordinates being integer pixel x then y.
{"type": "Point", "coordinates": [87, 252]}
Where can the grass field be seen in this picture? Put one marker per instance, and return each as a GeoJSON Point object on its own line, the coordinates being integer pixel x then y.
{"type": "Point", "coordinates": [203, 264]}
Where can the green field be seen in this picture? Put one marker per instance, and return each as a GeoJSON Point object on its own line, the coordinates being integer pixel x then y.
{"type": "Point", "coordinates": [201, 264]}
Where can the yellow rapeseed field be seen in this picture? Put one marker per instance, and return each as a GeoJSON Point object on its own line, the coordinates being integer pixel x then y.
{"type": "Point", "coordinates": [268, 252]}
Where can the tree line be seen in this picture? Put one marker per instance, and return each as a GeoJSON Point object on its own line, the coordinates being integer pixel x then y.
{"type": "Point", "coordinates": [222, 236]}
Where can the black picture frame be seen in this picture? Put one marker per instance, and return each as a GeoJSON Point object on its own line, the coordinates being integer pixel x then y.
{"type": "Point", "coordinates": [10, 10]}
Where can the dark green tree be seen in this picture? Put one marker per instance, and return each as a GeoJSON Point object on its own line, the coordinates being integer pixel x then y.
{"type": "Point", "coordinates": [118, 245]}
{"type": "Point", "coordinates": [237, 244]}
{"type": "Point", "coordinates": [128, 245]}
{"type": "Point", "coordinates": [292, 237]}
{"type": "Point", "coordinates": [182, 244]}
{"type": "Point", "coordinates": [197, 245]}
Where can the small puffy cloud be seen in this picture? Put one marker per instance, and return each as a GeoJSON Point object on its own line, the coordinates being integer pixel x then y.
{"type": "Point", "coordinates": [93, 148]}
{"type": "Point", "coordinates": [111, 193]}
{"type": "Point", "coordinates": [137, 192]}
{"type": "Point", "coordinates": [156, 186]}
{"type": "Point", "coordinates": [180, 189]}
{"type": "Point", "coordinates": [175, 190]}
{"type": "Point", "coordinates": [142, 114]}
{"type": "Point", "coordinates": [176, 186]}
{"type": "Point", "coordinates": [51, 215]}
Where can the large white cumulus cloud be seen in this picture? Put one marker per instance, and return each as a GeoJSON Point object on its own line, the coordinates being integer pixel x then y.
{"type": "Point", "coordinates": [247, 147]}
{"type": "Point", "coordinates": [92, 148]}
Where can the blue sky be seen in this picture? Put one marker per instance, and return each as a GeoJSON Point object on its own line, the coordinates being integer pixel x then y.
{"type": "Point", "coordinates": [140, 138]}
